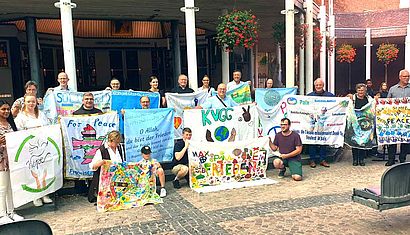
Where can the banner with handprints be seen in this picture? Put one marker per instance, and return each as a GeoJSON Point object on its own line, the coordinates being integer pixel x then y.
{"type": "Point", "coordinates": [222, 125]}
{"type": "Point", "coordinates": [127, 185]}
{"type": "Point", "coordinates": [392, 120]}
{"type": "Point", "coordinates": [83, 135]}
{"type": "Point", "coordinates": [360, 126]}
{"type": "Point", "coordinates": [268, 98]}
{"type": "Point", "coordinates": [63, 103]}
{"type": "Point", "coordinates": [318, 120]}
{"type": "Point", "coordinates": [241, 94]}
{"type": "Point", "coordinates": [36, 163]}
{"type": "Point", "coordinates": [152, 127]}
{"type": "Point", "coordinates": [219, 166]}
{"type": "Point", "coordinates": [181, 102]}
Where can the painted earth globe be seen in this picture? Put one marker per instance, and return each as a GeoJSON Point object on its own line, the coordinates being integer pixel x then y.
{"type": "Point", "coordinates": [221, 133]}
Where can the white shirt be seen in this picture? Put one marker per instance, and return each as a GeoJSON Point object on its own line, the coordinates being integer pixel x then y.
{"type": "Point", "coordinates": [115, 157]}
{"type": "Point", "coordinates": [232, 85]}
{"type": "Point", "coordinates": [210, 90]}
{"type": "Point", "coordinates": [23, 121]}
{"type": "Point", "coordinates": [59, 88]}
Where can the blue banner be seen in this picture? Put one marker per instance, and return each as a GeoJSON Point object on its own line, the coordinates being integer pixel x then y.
{"type": "Point", "coordinates": [122, 99]}
{"type": "Point", "coordinates": [152, 127]}
{"type": "Point", "coordinates": [268, 98]}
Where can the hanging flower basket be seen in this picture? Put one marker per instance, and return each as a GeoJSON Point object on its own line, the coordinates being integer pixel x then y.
{"type": "Point", "coordinates": [346, 53]}
{"type": "Point", "coordinates": [387, 53]}
{"type": "Point", "coordinates": [237, 29]}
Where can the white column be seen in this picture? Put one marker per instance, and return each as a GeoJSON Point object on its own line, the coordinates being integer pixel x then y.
{"type": "Point", "coordinates": [279, 54]}
{"type": "Point", "coordinates": [323, 42]}
{"type": "Point", "coordinates": [407, 50]}
{"type": "Point", "coordinates": [332, 57]}
{"type": "Point", "coordinates": [68, 41]}
{"type": "Point", "coordinates": [302, 82]}
{"type": "Point", "coordinates": [225, 59]}
{"type": "Point", "coordinates": [290, 43]}
{"type": "Point", "coordinates": [309, 46]}
{"type": "Point", "coordinates": [255, 70]}
{"type": "Point", "coordinates": [368, 54]}
{"type": "Point", "coordinates": [189, 10]}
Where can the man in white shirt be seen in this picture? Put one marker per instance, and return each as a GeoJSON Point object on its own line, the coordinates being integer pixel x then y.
{"type": "Point", "coordinates": [237, 75]}
{"type": "Point", "coordinates": [220, 100]}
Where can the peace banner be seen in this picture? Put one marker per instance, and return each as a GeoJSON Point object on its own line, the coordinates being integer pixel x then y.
{"type": "Point", "coordinates": [268, 98]}
{"type": "Point", "coordinates": [83, 135]}
{"type": "Point", "coordinates": [181, 102]}
{"type": "Point", "coordinates": [392, 120]}
{"type": "Point", "coordinates": [241, 94]}
{"type": "Point", "coordinates": [126, 185]}
{"type": "Point", "coordinates": [318, 120]}
{"type": "Point", "coordinates": [222, 125]}
{"type": "Point", "coordinates": [152, 127]}
{"type": "Point", "coordinates": [360, 126]}
{"type": "Point", "coordinates": [64, 103]}
{"type": "Point", "coordinates": [122, 99]}
{"type": "Point", "coordinates": [219, 166]}
{"type": "Point", "coordinates": [36, 163]}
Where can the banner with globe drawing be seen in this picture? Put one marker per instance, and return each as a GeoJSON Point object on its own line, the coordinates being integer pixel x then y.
{"type": "Point", "coordinates": [241, 94]}
{"type": "Point", "coordinates": [83, 135]}
{"type": "Point", "coordinates": [318, 120]}
{"type": "Point", "coordinates": [268, 98]}
{"type": "Point", "coordinates": [220, 166]}
{"type": "Point", "coordinates": [392, 120]}
{"type": "Point", "coordinates": [36, 163]}
{"type": "Point", "coordinates": [222, 125]}
{"type": "Point", "coordinates": [182, 102]}
{"type": "Point", "coordinates": [360, 132]}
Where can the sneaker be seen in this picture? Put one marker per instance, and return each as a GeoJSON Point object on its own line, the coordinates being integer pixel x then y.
{"type": "Point", "coordinates": [389, 163]}
{"type": "Point", "coordinates": [176, 184]}
{"type": "Point", "coordinates": [15, 217]}
{"type": "Point", "coordinates": [163, 192]}
{"type": "Point", "coordinates": [47, 199]}
{"type": "Point", "coordinates": [282, 173]}
{"type": "Point", "coordinates": [324, 163]}
{"type": "Point", "coordinates": [38, 202]}
{"type": "Point", "coordinates": [5, 220]}
{"type": "Point", "coordinates": [312, 164]}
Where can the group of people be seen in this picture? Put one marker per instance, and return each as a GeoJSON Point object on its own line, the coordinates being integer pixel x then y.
{"type": "Point", "coordinates": [25, 113]}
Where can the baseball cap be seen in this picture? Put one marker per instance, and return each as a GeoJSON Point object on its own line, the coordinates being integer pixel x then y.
{"type": "Point", "coordinates": [146, 150]}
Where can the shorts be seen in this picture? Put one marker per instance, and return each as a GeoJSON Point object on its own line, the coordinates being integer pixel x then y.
{"type": "Point", "coordinates": [177, 168]}
{"type": "Point", "coordinates": [295, 167]}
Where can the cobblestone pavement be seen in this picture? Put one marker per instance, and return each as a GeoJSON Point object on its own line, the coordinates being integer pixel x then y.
{"type": "Point", "coordinates": [320, 204]}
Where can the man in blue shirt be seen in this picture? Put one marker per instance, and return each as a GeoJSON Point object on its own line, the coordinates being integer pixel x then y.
{"type": "Point", "coordinates": [220, 100]}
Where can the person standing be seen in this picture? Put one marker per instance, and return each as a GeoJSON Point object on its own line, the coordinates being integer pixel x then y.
{"type": "Point", "coordinates": [87, 106]}
{"type": "Point", "coordinates": [182, 85]}
{"type": "Point", "coordinates": [220, 100]}
{"type": "Point", "coordinates": [236, 82]}
{"type": "Point", "coordinates": [62, 79]}
{"type": "Point", "coordinates": [289, 145]}
{"type": "Point", "coordinates": [7, 214]}
{"type": "Point", "coordinates": [369, 87]}
{"type": "Point", "coordinates": [205, 86]}
{"type": "Point", "coordinates": [321, 149]}
{"type": "Point", "coordinates": [114, 84]}
{"type": "Point", "coordinates": [30, 88]}
{"type": "Point", "coordinates": [401, 89]}
{"type": "Point", "coordinates": [269, 83]}
{"type": "Point", "coordinates": [384, 90]}
{"type": "Point", "coordinates": [154, 83]}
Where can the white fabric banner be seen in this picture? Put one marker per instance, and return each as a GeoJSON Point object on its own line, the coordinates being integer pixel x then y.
{"type": "Point", "coordinates": [83, 135]}
{"type": "Point", "coordinates": [222, 125]}
{"type": "Point", "coordinates": [181, 102]}
{"type": "Point", "coordinates": [220, 166]}
{"type": "Point", "coordinates": [36, 163]}
{"type": "Point", "coordinates": [318, 120]}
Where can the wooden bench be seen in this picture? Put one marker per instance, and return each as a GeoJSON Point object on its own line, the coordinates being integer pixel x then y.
{"type": "Point", "coordinates": [394, 191]}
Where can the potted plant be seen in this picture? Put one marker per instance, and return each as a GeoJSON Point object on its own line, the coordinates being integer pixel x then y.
{"type": "Point", "coordinates": [386, 53]}
{"type": "Point", "coordinates": [346, 53]}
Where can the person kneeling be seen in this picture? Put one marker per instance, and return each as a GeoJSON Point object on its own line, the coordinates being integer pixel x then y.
{"type": "Point", "coordinates": [290, 146]}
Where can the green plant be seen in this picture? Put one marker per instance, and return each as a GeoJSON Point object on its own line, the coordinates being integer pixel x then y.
{"type": "Point", "coordinates": [346, 53]}
{"type": "Point", "coordinates": [387, 52]}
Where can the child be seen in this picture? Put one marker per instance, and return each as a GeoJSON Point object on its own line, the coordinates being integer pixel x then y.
{"type": "Point", "coordinates": [146, 158]}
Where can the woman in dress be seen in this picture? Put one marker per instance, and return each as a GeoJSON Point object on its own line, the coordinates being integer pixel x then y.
{"type": "Point", "coordinates": [154, 83]}
{"type": "Point", "coordinates": [31, 117]}
{"type": "Point", "coordinates": [7, 125]}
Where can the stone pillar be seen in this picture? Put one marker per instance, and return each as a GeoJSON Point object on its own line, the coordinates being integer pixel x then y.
{"type": "Point", "coordinates": [368, 53]}
{"type": "Point", "coordinates": [323, 43]}
{"type": "Point", "coordinates": [34, 54]}
{"type": "Point", "coordinates": [309, 46]}
{"type": "Point", "coordinates": [225, 60]}
{"type": "Point", "coordinates": [332, 57]}
{"type": "Point", "coordinates": [290, 43]}
{"type": "Point", "coordinates": [68, 41]}
{"type": "Point", "coordinates": [176, 51]}
{"type": "Point", "coordinates": [302, 82]}
{"type": "Point", "coordinates": [407, 50]}
{"type": "Point", "coordinates": [189, 10]}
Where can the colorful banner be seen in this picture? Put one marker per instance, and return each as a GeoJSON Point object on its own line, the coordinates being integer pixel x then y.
{"type": "Point", "coordinates": [64, 103]}
{"type": "Point", "coordinates": [392, 120]}
{"type": "Point", "coordinates": [36, 163]}
{"type": "Point", "coordinates": [268, 98]}
{"type": "Point", "coordinates": [360, 126]}
{"type": "Point", "coordinates": [222, 125]}
{"type": "Point", "coordinates": [181, 102]}
{"type": "Point", "coordinates": [83, 135]}
{"type": "Point", "coordinates": [219, 166]}
{"type": "Point", "coordinates": [152, 127]}
{"type": "Point", "coordinates": [126, 185]}
{"type": "Point", "coordinates": [241, 94]}
{"type": "Point", "coordinates": [122, 99]}
{"type": "Point", "coordinates": [318, 120]}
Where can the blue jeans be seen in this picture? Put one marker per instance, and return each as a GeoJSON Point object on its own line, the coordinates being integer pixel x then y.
{"type": "Point", "coordinates": [313, 151]}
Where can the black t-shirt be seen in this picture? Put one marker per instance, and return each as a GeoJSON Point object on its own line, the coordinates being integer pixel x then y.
{"type": "Point", "coordinates": [179, 90]}
{"type": "Point", "coordinates": [161, 95]}
{"type": "Point", "coordinates": [82, 111]}
{"type": "Point", "coordinates": [179, 145]}
{"type": "Point", "coordinates": [359, 103]}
